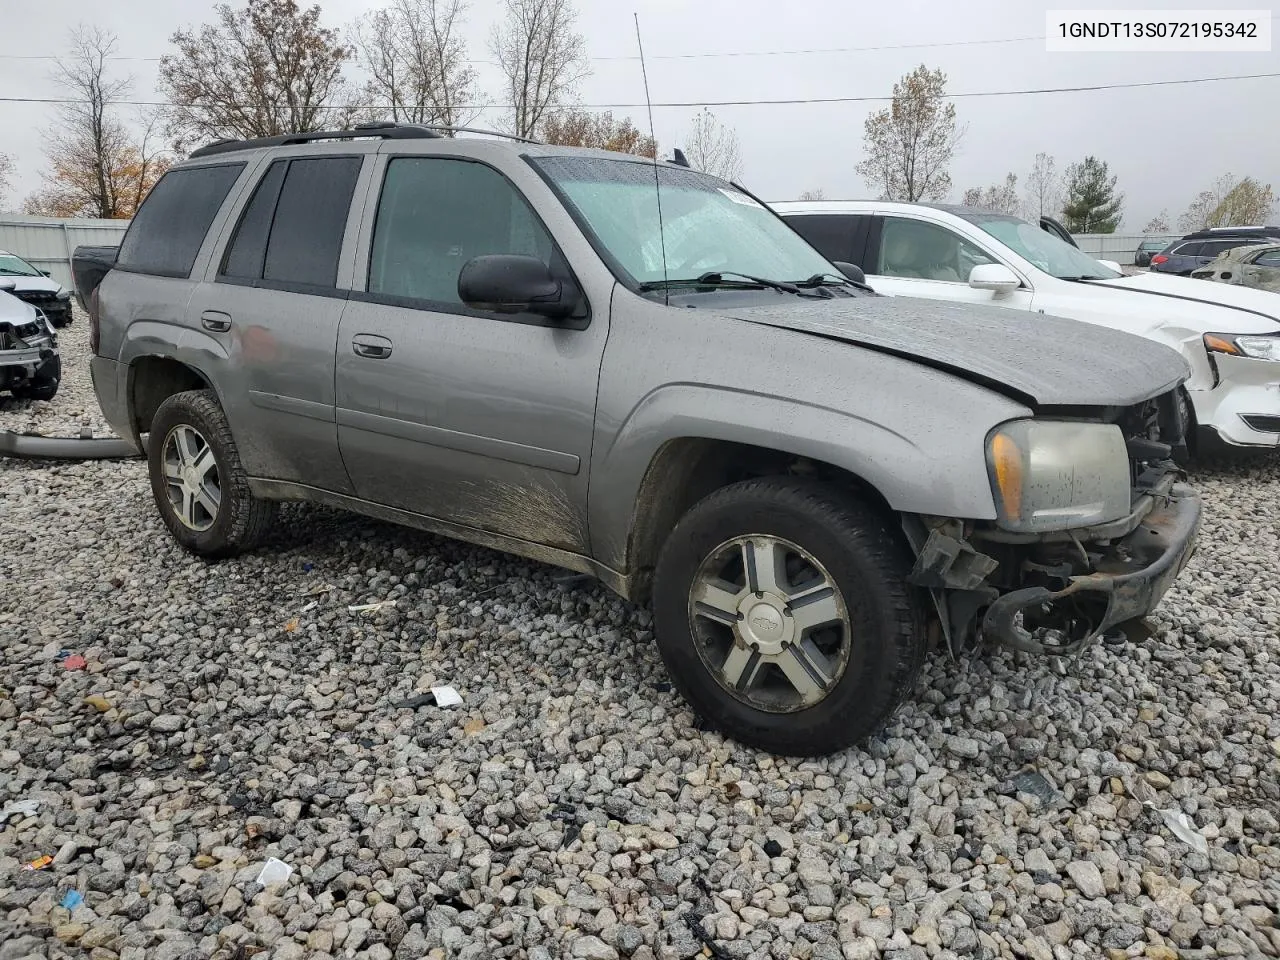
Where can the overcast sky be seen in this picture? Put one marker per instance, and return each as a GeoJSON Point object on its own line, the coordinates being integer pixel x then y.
{"type": "Point", "coordinates": [1164, 143]}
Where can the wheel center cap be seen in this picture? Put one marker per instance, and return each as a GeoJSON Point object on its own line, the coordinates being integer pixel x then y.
{"type": "Point", "coordinates": [763, 625]}
{"type": "Point", "coordinates": [191, 479]}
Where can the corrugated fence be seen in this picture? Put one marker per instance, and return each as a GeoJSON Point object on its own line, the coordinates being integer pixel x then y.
{"type": "Point", "coordinates": [46, 242]}
{"type": "Point", "coordinates": [1118, 247]}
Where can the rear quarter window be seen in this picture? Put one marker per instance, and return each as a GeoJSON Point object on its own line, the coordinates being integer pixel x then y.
{"type": "Point", "coordinates": [168, 229]}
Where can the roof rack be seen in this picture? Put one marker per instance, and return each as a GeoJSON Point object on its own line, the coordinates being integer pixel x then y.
{"type": "Point", "coordinates": [379, 129]}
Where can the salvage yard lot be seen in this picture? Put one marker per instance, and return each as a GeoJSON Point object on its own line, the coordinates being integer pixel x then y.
{"type": "Point", "coordinates": [570, 806]}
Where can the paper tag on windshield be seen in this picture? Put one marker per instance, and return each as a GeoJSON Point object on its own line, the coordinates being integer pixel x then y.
{"type": "Point", "coordinates": [739, 197]}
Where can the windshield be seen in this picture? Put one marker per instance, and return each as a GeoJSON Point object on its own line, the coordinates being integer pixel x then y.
{"type": "Point", "coordinates": [708, 225]}
{"type": "Point", "coordinates": [11, 266]}
{"type": "Point", "coordinates": [1043, 249]}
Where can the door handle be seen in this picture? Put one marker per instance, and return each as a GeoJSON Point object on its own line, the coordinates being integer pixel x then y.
{"type": "Point", "coordinates": [215, 320]}
{"type": "Point", "coordinates": [371, 347]}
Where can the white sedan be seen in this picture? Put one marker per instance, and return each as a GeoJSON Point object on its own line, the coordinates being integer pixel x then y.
{"type": "Point", "coordinates": [1229, 335]}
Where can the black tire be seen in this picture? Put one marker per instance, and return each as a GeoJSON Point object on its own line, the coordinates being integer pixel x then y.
{"type": "Point", "coordinates": [1190, 437]}
{"type": "Point", "coordinates": [864, 556]}
{"type": "Point", "coordinates": [44, 385]}
{"type": "Point", "coordinates": [242, 520]}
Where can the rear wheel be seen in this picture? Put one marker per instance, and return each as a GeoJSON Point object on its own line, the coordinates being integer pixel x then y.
{"type": "Point", "coordinates": [784, 617]}
{"type": "Point", "coordinates": [198, 482]}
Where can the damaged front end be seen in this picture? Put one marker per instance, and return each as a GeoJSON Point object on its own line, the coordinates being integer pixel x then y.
{"type": "Point", "coordinates": [26, 347]}
{"type": "Point", "coordinates": [1094, 526]}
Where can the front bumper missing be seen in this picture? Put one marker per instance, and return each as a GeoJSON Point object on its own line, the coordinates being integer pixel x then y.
{"type": "Point", "coordinates": [1127, 583]}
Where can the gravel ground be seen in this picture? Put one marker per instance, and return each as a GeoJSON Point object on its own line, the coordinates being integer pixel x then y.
{"type": "Point", "coordinates": [571, 806]}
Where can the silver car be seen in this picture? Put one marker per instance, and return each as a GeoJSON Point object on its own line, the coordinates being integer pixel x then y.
{"type": "Point", "coordinates": [518, 345]}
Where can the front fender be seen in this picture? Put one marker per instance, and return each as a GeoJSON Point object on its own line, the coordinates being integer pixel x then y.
{"type": "Point", "coordinates": [927, 460]}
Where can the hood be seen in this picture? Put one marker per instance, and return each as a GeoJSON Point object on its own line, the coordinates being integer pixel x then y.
{"type": "Point", "coordinates": [33, 283]}
{"type": "Point", "coordinates": [1036, 359]}
{"type": "Point", "coordinates": [13, 310]}
{"type": "Point", "coordinates": [1258, 303]}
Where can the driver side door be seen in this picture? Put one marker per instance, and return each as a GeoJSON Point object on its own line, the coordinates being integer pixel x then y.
{"type": "Point", "coordinates": [912, 257]}
{"type": "Point", "coordinates": [473, 417]}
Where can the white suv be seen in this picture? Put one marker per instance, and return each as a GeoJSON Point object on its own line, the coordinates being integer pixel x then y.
{"type": "Point", "coordinates": [1229, 335]}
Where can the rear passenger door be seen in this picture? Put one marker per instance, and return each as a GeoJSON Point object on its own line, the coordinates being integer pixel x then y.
{"type": "Point", "coordinates": [275, 298]}
{"type": "Point", "coordinates": [472, 417]}
{"type": "Point", "coordinates": [837, 236]}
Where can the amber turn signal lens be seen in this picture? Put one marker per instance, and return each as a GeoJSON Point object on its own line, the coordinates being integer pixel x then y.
{"type": "Point", "coordinates": [1219, 344]}
{"type": "Point", "coordinates": [1008, 463]}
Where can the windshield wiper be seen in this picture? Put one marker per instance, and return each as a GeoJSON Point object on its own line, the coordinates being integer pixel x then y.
{"type": "Point", "coordinates": [1086, 276]}
{"type": "Point", "coordinates": [820, 280]}
{"type": "Point", "coordinates": [717, 278]}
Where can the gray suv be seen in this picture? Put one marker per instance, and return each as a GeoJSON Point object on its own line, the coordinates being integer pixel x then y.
{"type": "Point", "coordinates": [518, 345]}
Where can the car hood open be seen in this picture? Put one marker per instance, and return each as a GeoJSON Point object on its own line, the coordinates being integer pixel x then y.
{"type": "Point", "coordinates": [1039, 360]}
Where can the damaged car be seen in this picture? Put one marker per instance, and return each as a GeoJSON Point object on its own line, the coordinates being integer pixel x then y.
{"type": "Point", "coordinates": [37, 288]}
{"type": "Point", "coordinates": [30, 368]}
{"type": "Point", "coordinates": [1255, 265]}
{"type": "Point", "coordinates": [504, 342]}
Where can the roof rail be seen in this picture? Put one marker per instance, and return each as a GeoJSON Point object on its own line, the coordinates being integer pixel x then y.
{"type": "Point", "coordinates": [380, 129]}
{"type": "Point", "coordinates": [383, 130]}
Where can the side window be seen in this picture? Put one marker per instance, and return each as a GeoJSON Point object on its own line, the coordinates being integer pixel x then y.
{"type": "Point", "coordinates": [1187, 250]}
{"type": "Point", "coordinates": [168, 229]}
{"type": "Point", "coordinates": [1271, 259]}
{"type": "Point", "coordinates": [830, 234]}
{"type": "Point", "coordinates": [434, 215]}
{"type": "Point", "coordinates": [291, 230]}
{"type": "Point", "coordinates": [248, 248]}
{"type": "Point", "coordinates": [926, 251]}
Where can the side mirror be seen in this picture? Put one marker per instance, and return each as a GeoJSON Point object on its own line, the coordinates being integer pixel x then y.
{"type": "Point", "coordinates": [510, 283]}
{"type": "Point", "coordinates": [854, 273]}
{"type": "Point", "coordinates": [7, 285]}
{"type": "Point", "coordinates": [1111, 265]}
{"type": "Point", "coordinates": [995, 277]}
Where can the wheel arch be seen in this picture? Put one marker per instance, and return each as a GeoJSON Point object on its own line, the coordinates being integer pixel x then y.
{"type": "Point", "coordinates": [153, 379]}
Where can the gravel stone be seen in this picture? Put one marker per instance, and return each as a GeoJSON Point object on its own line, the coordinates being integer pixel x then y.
{"type": "Point", "coordinates": [232, 712]}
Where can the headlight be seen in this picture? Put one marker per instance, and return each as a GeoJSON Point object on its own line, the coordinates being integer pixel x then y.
{"type": "Point", "coordinates": [1264, 346]}
{"type": "Point", "coordinates": [63, 295]}
{"type": "Point", "coordinates": [1056, 475]}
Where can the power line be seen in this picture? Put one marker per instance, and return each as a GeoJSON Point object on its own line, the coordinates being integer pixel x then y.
{"type": "Point", "coordinates": [795, 101]}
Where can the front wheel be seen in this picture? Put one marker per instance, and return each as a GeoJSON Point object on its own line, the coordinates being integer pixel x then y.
{"type": "Point", "coordinates": [783, 615]}
{"type": "Point", "coordinates": [199, 485]}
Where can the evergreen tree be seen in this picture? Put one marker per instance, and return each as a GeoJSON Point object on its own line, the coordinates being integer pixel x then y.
{"type": "Point", "coordinates": [1092, 206]}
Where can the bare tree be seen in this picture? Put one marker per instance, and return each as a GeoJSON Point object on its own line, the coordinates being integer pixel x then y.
{"type": "Point", "coordinates": [910, 144]}
{"type": "Point", "coordinates": [575, 127]}
{"type": "Point", "coordinates": [417, 62]}
{"type": "Point", "coordinates": [1158, 224]}
{"type": "Point", "coordinates": [713, 148]}
{"type": "Point", "coordinates": [266, 69]}
{"type": "Point", "coordinates": [1002, 197]}
{"type": "Point", "coordinates": [6, 176]}
{"type": "Point", "coordinates": [815, 194]}
{"type": "Point", "coordinates": [1229, 202]}
{"type": "Point", "coordinates": [1044, 188]}
{"type": "Point", "coordinates": [98, 167]}
{"type": "Point", "coordinates": [541, 58]}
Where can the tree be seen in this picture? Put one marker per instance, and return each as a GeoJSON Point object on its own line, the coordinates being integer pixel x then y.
{"type": "Point", "coordinates": [1044, 194]}
{"type": "Point", "coordinates": [1228, 203]}
{"type": "Point", "coordinates": [1158, 224]}
{"type": "Point", "coordinates": [1092, 206]}
{"type": "Point", "coordinates": [1001, 197]}
{"type": "Point", "coordinates": [98, 167]}
{"type": "Point", "coordinates": [815, 194]}
{"type": "Point", "coordinates": [910, 144]}
{"type": "Point", "coordinates": [267, 69]}
{"type": "Point", "coordinates": [417, 62]}
{"type": "Point", "coordinates": [713, 148]}
{"type": "Point", "coordinates": [6, 175]}
{"type": "Point", "coordinates": [576, 127]}
{"type": "Point", "coordinates": [541, 58]}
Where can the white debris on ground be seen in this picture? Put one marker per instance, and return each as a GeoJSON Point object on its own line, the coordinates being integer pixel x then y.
{"type": "Point", "coordinates": [571, 806]}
